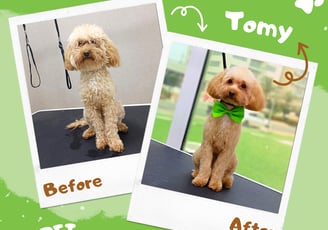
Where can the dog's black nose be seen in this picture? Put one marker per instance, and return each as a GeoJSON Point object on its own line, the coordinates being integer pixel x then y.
{"type": "Point", "coordinates": [231, 94]}
{"type": "Point", "coordinates": [86, 53]}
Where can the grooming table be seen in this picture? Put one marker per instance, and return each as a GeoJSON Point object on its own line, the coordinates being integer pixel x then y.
{"type": "Point", "coordinates": [59, 146]}
{"type": "Point", "coordinates": [171, 169]}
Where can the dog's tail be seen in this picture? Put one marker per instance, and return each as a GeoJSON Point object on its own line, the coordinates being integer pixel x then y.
{"type": "Point", "coordinates": [77, 124]}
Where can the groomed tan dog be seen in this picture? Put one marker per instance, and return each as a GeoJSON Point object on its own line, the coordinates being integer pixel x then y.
{"type": "Point", "coordinates": [215, 160]}
{"type": "Point", "coordinates": [90, 51]}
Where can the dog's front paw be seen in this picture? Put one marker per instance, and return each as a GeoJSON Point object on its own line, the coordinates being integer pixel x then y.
{"type": "Point", "coordinates": [115, 145]}
{"type": "Point", "coordinates": [215, 185]}
{"type": "Point", "coordinates": [199, 181]}
{"type": "Point", "coordinates": [101, 143]}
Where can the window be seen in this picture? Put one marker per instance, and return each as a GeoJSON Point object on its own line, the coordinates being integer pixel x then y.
{"type": "Point", "coordinates": [176, 67]}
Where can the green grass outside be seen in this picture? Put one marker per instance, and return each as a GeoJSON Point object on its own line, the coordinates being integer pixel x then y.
{"type": "Point", "coordinates": [161, 129]}
{"type": "Point", "coordinates": [262, 156]}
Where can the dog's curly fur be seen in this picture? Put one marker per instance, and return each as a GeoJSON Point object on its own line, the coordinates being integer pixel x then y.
{"type": "Point", "coordinates": [215, 160]}
{"type": "Point", "coordinates": [90, 51]}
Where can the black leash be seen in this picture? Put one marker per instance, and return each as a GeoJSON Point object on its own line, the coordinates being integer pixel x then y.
{"type": "Point", "coordinates": [60, 45]}
{"type": "Point", "coordinates": [224, 60]}
{"type": "Point", "coordinates": [30, 57]}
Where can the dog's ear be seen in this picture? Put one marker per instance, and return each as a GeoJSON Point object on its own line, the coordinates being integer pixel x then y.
{"type": "Point", "coordinates": [214, 84]}
{"type": "Point", "coordinates": [67, 59]}
{"type": "Point", "coordinates": [257, 98]}
{"type": "Point", "coordinates": [112, 54]}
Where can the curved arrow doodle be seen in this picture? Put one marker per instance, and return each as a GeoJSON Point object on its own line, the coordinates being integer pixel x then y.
{"type": "Point", "coordinates": [183, 12]}
{"type": "Point", "coordinates": [289, 75]}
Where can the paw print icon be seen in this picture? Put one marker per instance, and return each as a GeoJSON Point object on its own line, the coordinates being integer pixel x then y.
{"type": "Point", "coordinates": [308, 5]}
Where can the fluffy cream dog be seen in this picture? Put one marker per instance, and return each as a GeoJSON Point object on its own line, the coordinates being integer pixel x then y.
{"type": "Point", "coordinates": [215, 160]}
{"type": "Point", "coordinates": [90, 51]}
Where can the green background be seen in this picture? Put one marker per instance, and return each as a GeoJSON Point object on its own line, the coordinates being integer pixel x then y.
{"type": "Point", "coordinates": [308, 202]}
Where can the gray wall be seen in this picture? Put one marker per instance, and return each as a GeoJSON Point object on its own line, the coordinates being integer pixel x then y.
{"type": "Point", "coordinates": [134, 30]}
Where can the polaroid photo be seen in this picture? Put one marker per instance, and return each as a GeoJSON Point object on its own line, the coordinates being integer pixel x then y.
{"type": "Point", "coordinates": [166, 193]}
{"type": "Point", "coordinates": [87, 76]}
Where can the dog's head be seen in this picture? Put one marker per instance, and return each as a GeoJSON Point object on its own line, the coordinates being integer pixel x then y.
{"type": "Point", "coordinates": [90, 49]}
{"type": "Point", "coordinates": [237, 86]}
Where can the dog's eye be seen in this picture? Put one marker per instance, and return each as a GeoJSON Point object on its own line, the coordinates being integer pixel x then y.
{"type": "Point", "coordinates": [80, 43]}
{"type": "Point", "coordinates": [243, 86]}
{"type": "Point", "coordinates": [93, 41]}
{"type": "Point", "coordinates": [229, 81]}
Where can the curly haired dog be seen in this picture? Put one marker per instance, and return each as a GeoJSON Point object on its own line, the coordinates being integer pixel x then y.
{"type": "Point", "coordinates": [215, 160]}
{"type": "Point", "coordinates": [90, 51]}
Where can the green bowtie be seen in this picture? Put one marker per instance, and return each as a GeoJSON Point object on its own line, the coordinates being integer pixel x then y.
{"type": "Point", "coordinates": [236, 114]}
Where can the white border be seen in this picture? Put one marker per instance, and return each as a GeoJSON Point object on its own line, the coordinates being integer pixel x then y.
{"type": "Point", "coordinates": [174, 210]}
{"type": "Point", "coordinates": [117, 173]}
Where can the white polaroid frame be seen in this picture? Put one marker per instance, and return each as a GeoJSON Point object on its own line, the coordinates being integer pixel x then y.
{"type": "Point", "coordinates": [116, 174]}
{"type": "Point", "coordinates": [174, 210]}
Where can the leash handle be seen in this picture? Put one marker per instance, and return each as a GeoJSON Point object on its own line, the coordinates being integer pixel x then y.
{"type": "Point", "coordinates": [30, 58]}
{"type": "Point", "coordinates": [62, 51]}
